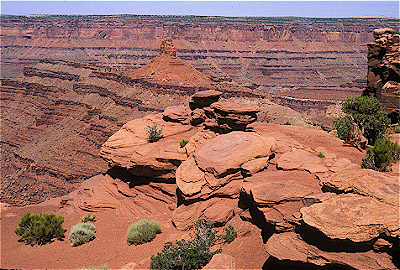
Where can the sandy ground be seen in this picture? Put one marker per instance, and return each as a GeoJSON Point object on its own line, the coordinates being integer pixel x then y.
{"type": "Point", "coordinates": [110, 245]}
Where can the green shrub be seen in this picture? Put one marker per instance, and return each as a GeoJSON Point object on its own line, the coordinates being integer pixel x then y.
{"type": "Point", "coordinates": [230, 234]}
{"type": "Point", "coordinates": [343, 127]}
{"type": "Point", "coordinates": [321, 155]}
{"type": "Point", "coordinates": [142, 231]}
{"type": "Point", "coordinates": [287, 123]}
{"type": "Point", "coordinates": [89, 218]}
{"type": "Point", "coordinates": [82, 233]}
{"type": "Point", "coordinates": [193, 254]}
{"type": "Point", "coordinates": [381, 155]}
{"type": "Point", "coordinates": [369, 115]}
{"type": "Point", "coordinates": [40, 229]}
{"type": "Point", "coordinates": [183, 143]}
{"type": "Point", "coordinates": [154, 133]}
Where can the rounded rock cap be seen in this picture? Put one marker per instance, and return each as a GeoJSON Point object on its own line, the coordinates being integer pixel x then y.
{"type": "Point", "coordinates": [233, 107]}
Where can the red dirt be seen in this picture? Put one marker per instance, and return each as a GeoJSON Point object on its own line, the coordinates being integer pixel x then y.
{"type": "Point", "coordinates": [110, 245]}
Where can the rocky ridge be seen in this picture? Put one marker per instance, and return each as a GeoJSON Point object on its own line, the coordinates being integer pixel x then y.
{"type": "Point", "coordinates": [384, 70]}
{"type": "Point", "coordinates": [309, 211]}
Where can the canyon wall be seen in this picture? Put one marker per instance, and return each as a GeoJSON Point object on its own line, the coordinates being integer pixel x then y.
{"type": "Point", "coordinates": [272, 52]}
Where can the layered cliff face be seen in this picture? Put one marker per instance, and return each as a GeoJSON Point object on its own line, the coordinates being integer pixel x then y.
{"type": "Point", "coordinates": [384, 70]}
{"type": "Point", "coordinates": [56, 116]}
{"type": "Point", "coordinates": [285, 52]}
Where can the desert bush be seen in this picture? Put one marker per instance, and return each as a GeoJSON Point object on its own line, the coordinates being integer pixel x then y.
{"type": "Point", "coordinates": [230, 234]}
{"type": "Point", "coordinates": [40, 229]}
{"type": "Point", "coordinates": [82, 233]}
{"type": "Point", "coordinates": [381, 155]}
{"type": "Point", "coordinates": [88, 218]}
{"type": "Point", "coordinates": [192, 254]}
{"type": "Point", "coordinates": [321, 155]}
{"type": "Point", "coordinates": [369, 115]}
{"type": "Point", "coordinates": [287, 123]}
{"type": "Point", "coordinates": [182, 143]}
{"type": "Point", "coordinates": [142, 231]}
{"type": "Point", "coordinates": [154, 133]}
{"type": "Point", "coordinates": [343, 126]}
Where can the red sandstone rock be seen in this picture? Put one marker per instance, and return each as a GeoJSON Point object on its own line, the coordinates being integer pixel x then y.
{"type": "Point", "coordinates": [230, 151]}
{"type": "Point", "coordinates": [290, 247]}
{"type": "Point", "coordinates": [301, 160]}
{"type": "Point", "coordinates": [274, 187]}
{"type": "Point", "coordinates": [380, 186]}
{"type": "Point", "coordinates": [129, 148]}
{"type": "Point", "coordinates": [235, 108]}
{"type": "Point", "coordinates": [221, 261]}
{"type": "Point", "coordinates": [216, 210]}
{"type": "Point", "coordinates": [354, 217]}
{"type": "Point", "coordinates": [203, 99]}
{"type": "Point", "coordinates": [177, 114]}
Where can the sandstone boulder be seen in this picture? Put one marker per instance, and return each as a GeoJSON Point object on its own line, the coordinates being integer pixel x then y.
{"type": "Point", "coordinates": [380, 186]}
{"type": "Point", "coordinates": [299, 159]}
{"type": "Point", "coordinates": [234, 116]}
{"type": "Point", "coordinates": [216, 210]}
{"type": "Point", "coordinates": [129, 147]}
{"type": "Point", "coordinates": [203, 99]}
{"type": "Point", "coordinates": [230, 151]}
{"type": "Point", "coordinates": [354, 217]}
{"type": "Point", "coordinates": [221, 261]}
{"type": "Point", "coordinates": [289, 247]}
{"type": "Point", "coordinates": [177, 114]}
{"type": "Point", "coordinates": [275, 187]}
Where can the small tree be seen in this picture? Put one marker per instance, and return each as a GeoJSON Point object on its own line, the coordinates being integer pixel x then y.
{"type": "Point", "coordinates": [369, 115]}
{"type": "Point", "coordinates": [195, 253]}
{"type": "Point", "coordinates": [40, 229]}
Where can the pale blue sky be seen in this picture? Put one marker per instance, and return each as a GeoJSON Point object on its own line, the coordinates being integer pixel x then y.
{"type": "Point", "coordinates": [329, 9]}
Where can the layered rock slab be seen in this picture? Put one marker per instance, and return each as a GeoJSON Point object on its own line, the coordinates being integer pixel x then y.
{"type": "Point", "coordinates": [215, 167]}
{"type": "Point", "coordinates": [353, 217]}
{"type": "Point", "coordinates": [129, 147]}
{"type": "Point", "coordinates": [380, 186]}
{"type": "Point", "coordinates": [290, 247]}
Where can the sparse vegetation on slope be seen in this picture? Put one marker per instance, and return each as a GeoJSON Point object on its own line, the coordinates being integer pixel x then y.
{"type": "Point", "coordinates": [154, 132]}
{"type": "Point", "coordinates": [40, 229]}
{"type": "Point", "coordinates": [82, 233]}
{"type": "Point", "coordinates": [368, 114]}
{"type": "Point", "coordinates": [142, 232]}
{"type": "Point", "coordinates": [381, 155]}
{"type": "Point", "coordinates": [195, 253]}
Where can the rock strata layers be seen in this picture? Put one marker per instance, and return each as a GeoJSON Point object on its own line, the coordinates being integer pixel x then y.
{"type": "Point", "coordinates": [384, 70]}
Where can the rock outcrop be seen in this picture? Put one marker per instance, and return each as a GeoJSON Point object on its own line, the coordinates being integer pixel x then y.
{"type": "Point", "coordinates": [384, 70]}
{"type": "Point", "coordinates": [312, 211]}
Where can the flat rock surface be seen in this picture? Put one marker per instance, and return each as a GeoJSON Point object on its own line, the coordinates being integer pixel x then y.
{"type": "Point", "coordinates": [273, 187]}
{"type": "Point", "coordinates": [207, 94]}
{"type": "Point", "coordinates": [354, 217]}
{"type": "Point", "coordinates": [289, 247]}
{"type": "Point", "coordinates": [367, 182]}
{"type": "Point", "coordinates": [230, 151]}
{"type": "Point", "coordinates": [299, 159]}
{"type": "Point", "coordinates": [233, 107]}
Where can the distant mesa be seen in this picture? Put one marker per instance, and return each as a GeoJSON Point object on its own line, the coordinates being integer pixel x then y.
{"type": "Point", "coordinates": [168, 69]}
